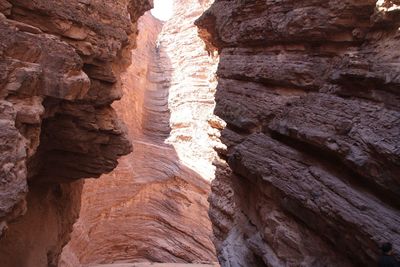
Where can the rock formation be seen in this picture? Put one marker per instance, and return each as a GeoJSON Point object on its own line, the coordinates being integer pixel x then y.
{"type": "Point", "coordinates": [59, 73]}
{"type": "Point", "coordinates": [153, 206]}
{"type": "Point", "coordinates": [192, 89]}
{"type": "Point", "coordinates": [310, 94]}
{"type": "Point", "coordinates": [308, 174]}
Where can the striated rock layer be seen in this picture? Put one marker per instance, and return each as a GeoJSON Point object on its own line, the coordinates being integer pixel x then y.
{"type": "Point", "coordinates": [310, 94]}
{"type": "Point", "coordinates": [193, 83]}
{"type": "Point", "coordinates": [59, 68]}
{"type": "Point", "coordinates": [153, 206]}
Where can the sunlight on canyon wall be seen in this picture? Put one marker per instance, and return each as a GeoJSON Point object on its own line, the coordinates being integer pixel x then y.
{"type": "Point", "coordinates": [153, 206]}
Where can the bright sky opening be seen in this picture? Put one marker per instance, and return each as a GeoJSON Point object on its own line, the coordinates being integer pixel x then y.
{"type": "Point", "coordinates": [162, 9]}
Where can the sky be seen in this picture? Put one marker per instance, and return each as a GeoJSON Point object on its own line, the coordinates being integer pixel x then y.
{"type": "Point", "coordinates": [162, 9]}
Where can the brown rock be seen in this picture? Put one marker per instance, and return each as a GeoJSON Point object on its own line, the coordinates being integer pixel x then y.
{"type": "Point", "coordinates": [55, 129]}
{"type": "Point", "coordinates": [358, 133]}
{"type": "Point", "coordinates": [309, 92]}
{"type": "Point", "coordinates": [36, 239]}
{"type": "Point", "coordinates": [153, 206]}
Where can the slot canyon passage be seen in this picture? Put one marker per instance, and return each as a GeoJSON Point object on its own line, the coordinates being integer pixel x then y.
{"type": "Point", "coordinates": [243, 132]}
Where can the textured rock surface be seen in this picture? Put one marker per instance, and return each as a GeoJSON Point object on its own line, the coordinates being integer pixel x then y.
{"type": "Point", "coordinates": [192, 89]}
{"type": "Point", "coordinates": [310, 94]}
{"type": "Point", "coordinates": [59, 63]}
{"type": "Point", "coordinates": [37, 238]}
{"type": "Point", "coordinates": [153, 206]}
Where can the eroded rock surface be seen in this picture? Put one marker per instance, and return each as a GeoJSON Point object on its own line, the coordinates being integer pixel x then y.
{"type": "Point", "coordinates": [59, 65]}
{"type": "Point", "coordinates": [153, 206]}
{"type": "Point", "coordinates": [192, 89]}
{"type": "Point", "coordinates": [310, 94]}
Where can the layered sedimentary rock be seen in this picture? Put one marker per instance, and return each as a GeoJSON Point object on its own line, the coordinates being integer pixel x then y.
{"type": "Point", "coordinates": [153, 206]}
{"type": "Point", "coordinates": [192, 89]}
{"type": "Point", "coordinates": [310, 94]}
{"type": "Point", "coordinates": [59, 65]}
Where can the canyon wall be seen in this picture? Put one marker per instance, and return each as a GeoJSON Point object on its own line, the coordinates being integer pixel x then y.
{"type": "Point", "coordinates": [153, 206]}
{"type": "Point", "coordinates": [59, 68]}
{"type": "Point", "coordinates": [310, 94]}
{"type": "Point", "coordinates": [192, 89]}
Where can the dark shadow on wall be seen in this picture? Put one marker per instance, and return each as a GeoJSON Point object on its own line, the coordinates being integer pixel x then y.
{"type": "Point", "coordinates": [36, 239]}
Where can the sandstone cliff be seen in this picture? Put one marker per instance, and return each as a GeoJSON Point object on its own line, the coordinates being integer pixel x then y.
{"type": "Point", "coordinates": [153, 206]}
{"type": "Point", "coordinates": [59, 68]}
{"type": "Point", "coordinates": [310, 94]}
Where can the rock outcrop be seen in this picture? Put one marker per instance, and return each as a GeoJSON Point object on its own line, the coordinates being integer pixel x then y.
{"type": "Point", "coordinates": [59, 73]}
{"type": "Point", "coordinates": [153, 206]}
{"type": "Point", "coordinates": [193, 83]}
{"type": "Point", "coordinates": [310, 94]}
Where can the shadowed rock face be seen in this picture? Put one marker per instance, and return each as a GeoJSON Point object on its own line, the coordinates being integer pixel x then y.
{"type": "Point", "coordinates": [310, 94]}
{"type": "Point", "coordinates": [153, 206]}
{"type": "Point", "coordinates": [59, 68]}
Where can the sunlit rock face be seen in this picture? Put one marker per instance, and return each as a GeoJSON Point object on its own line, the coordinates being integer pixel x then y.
{"type": "Point", "coordinates": [192, 88]}
{"type": "Point", "coordinates": [59, 68]}
{"type": "Point", "coordinates": [153, 207]}
{"type": "Point", "coordinates": [310, 94]}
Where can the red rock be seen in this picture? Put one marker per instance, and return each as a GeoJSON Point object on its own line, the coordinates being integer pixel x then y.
{"type": "Point", "coordinates": [153, 206]}
{"type": "Point", "coordinates": [55, 128]}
